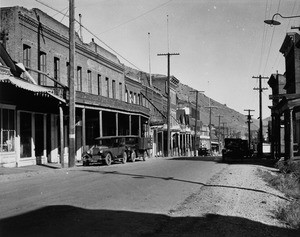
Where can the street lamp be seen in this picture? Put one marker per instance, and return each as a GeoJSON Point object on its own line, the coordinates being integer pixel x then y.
{"type": "Point", "coordinates": [275, 23]}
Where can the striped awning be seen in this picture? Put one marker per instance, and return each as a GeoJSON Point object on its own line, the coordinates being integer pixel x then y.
{"type": "Point", "coordinates": [36, 89]}
{"type": "Point", "coordinates": [23, 84]}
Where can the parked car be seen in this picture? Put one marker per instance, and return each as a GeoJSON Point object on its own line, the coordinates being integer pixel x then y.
{"type": "Point", "coordinates": [235, 148]}
{"type": "Point", "coordinates": [203, 151]}
{"type": "Point", "coordinates": [107, 150]}
{"type": "Point", "coordinates": [115, 148]}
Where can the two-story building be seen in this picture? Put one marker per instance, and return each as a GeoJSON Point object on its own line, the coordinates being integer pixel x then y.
{"type": "Point", "coordinates": [40, 128]}
{"type": "Point", "coordinates": [286, 105]}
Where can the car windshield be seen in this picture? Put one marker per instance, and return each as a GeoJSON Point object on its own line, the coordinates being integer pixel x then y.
{"type": "Point", "coordinates": [104, 142]}
{"type": "Point", "coordinates": [233, 143]}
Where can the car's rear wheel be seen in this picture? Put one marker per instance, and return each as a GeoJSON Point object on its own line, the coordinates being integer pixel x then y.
{"type": "Point", "coordinates": [124, 160]}
{"type": "Point", "coordinates": [108, 159]}
{"type": "Point", "coordinates": [145, 155]}
{"type": "Point", "coordinates": [133, 156]}
{"type": "Point", "coordinates": [86, 161]}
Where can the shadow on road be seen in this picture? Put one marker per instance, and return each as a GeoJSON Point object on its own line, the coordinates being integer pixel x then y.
{"type": "Point", "coordinates": [230, 161]}
{"type": "Point", "coordinates": [74, 221]}
{"type": "Point", "coordinates": [250, 161]}
{"type": "Point", "coordinates": [196, 158]}
{"type": "Point", "coordinates": [182, 180]}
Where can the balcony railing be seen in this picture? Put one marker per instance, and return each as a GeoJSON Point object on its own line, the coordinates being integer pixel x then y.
{"type": "Point", "coordinates": [109, 103]}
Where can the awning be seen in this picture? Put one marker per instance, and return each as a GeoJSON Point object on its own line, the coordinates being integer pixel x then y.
{"type": "Point", "coordinates": [23, 84]}
{"type": "Point", "coordinates": [36, 89]}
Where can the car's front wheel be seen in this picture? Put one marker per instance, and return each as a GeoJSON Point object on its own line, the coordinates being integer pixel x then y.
{"type": "Point", "coordinates": [145, 155]}
{"type": "Point", "coordinates": [124, 158]}
{"type": "Point", "coordinates": [108, 159]}
{"type": "Point", "coordinates": [133, 156]}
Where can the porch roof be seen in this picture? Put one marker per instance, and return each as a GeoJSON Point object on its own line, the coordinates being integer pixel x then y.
{"type": "Point", "coordinates": [287, 103]}
{"type": "Point", "coordinates": [23, 84]}
{"type": "Point", "coordinates": [36, 89]}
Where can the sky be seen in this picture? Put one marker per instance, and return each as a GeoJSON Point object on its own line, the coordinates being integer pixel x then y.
{"type": "Point", "coordinates": [222, 44]}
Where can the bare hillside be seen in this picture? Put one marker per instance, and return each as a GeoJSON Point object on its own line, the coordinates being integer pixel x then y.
{"type": "Point", "coordinates": [232, 119]}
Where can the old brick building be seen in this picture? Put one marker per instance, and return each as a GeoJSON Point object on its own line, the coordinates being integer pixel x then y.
{"type": "Point", "coordinates": [102, 105]}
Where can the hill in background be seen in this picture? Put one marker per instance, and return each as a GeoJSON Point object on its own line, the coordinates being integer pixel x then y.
{"type": "Point", "coordinates": [235, 121]}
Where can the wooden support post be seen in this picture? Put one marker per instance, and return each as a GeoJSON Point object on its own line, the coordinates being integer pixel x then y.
{"type": "Point", "coordinates": [291, 135]}
{"type": "Point", "coordinates": [100, 124]}
{"type": "Point", "coordinates": [61, 130]}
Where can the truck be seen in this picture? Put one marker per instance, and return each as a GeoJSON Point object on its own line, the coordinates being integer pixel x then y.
{"type": "Point", "coordinates": [235, 148]}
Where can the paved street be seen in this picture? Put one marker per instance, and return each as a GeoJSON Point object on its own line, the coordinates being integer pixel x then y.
{"type": "Point", "coordinates": [135, 199]}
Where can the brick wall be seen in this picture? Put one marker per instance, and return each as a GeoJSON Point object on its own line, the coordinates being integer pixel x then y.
{"type": "Point", "coordinates": [22, 26]}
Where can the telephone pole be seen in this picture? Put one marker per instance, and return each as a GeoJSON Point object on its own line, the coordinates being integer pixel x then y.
{"type": "Point", "coordinates": [71, 84]}
{"type": "Point", "coordinates": [260, 139]}
{"type": "Point", "coordinates": [196, 119]}
{"type": "Point", "coordinates": [219, 132]}
{"type": "Point", "coordinates": [210, 107]}
{"type": "Point", "coordinates": [169, 102]}
{"type": "Point", "coordinates": [249, 121]}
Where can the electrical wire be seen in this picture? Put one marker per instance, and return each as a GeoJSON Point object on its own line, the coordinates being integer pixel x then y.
{"type": "Point", "coordinates": [267, 60]}
{"type": "Point", "coordinates": [65, 15]}
{"type": "Point", "coordinates": [143, 14]}
{"type": "Point", "coordinates": [263, 39]}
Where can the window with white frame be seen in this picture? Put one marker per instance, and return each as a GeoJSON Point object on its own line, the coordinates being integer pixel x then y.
{"type": "Point", "coordinates": [7, 126]}
{"type": "Point", "coordinates": [89, 81]}
{"type": "Point", "coordinates": [26, 55]}
{"type": "Point", "coordinates": [79, 79]}
{"type": "Point", "coordinates": [43, 68]}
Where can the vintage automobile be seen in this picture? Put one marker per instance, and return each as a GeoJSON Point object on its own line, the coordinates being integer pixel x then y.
{"type": "Point", "coordinates": [235, 148]}
{"type": "Point", "coordinates": [203, 151]}
{"type": "Point", "coordinates": [114, 148]}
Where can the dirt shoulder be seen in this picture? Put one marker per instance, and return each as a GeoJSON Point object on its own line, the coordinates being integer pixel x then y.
{"type": "Point", "coordinates": [235, 202]}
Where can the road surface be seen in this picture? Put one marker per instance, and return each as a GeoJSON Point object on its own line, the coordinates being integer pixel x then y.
{"type": "Point", "coordinates": [160, 197]}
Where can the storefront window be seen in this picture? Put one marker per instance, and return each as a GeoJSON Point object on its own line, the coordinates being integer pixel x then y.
{"type": "Point", "coordinates": [25, 135]}
{"type": "Point", "coordinates": [7, 136]}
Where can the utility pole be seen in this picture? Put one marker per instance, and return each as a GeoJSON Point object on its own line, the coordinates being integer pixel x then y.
{"type": "Point", "coordinates": [196, 120]}
{"type": "Point", "coordinates": [223, 128]}
{"type": "Point", "coordinates": [71, 84]}
{"type": "Point", "coordinates": [210, 107]}
{"type": "Point", "coordinates": [260, 140]}
{"type": "Point", "coordinates": [249, 122]}
{"type": "Point", "coordinates": [169, 101]}
{"type": "Point", "coordinates": [219, 129]}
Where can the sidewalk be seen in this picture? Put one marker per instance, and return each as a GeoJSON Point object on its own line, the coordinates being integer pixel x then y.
{"type": "Point", "coordinates": [28, 171]}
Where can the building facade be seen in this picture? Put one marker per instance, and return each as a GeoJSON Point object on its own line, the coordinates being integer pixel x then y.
{"type": "Point", "coordinates": [286, 105]}
{"type": "Point", "coordinates": [102, 106]}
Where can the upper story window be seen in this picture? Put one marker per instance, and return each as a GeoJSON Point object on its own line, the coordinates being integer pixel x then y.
{"type": "Point", "coordinates": [79, 79]}
{"type": "Point", "coordinates": [99, 84]}
{"type": "Point", "coordinates": [26, 56]}
{"type": "Point", "coordinates": [43, 68]}
{"type": "Point", "coordinates": [56, 69]}
{"type": "Point", "coordinates": [113, 87]}
{"type": "Point", "coordinates": [139, 99]}
{"type": "Point", "coordinates": [107, 86]}
{"type": "Point", "coordinates": [89, 81]}
{"type": "Point", "coordinates": [131, 97]}
{"type": "Point", "coordinates": [120, 90]}
{"type": "Point", "coordinates": [7, 130]}
{"type": "Point", "coordinates": [126, 96]}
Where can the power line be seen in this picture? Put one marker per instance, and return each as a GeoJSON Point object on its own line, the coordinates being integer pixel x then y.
{"type": "Point", "coordinates": [92, 35]}
{"type": "Point", "coordinates": [143, 14]}
{"type": "Point", "coordinates": [267, 60]}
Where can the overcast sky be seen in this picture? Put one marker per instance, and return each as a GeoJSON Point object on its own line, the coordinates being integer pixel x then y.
{"type": "Point", "coordinates": [222, 43]}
